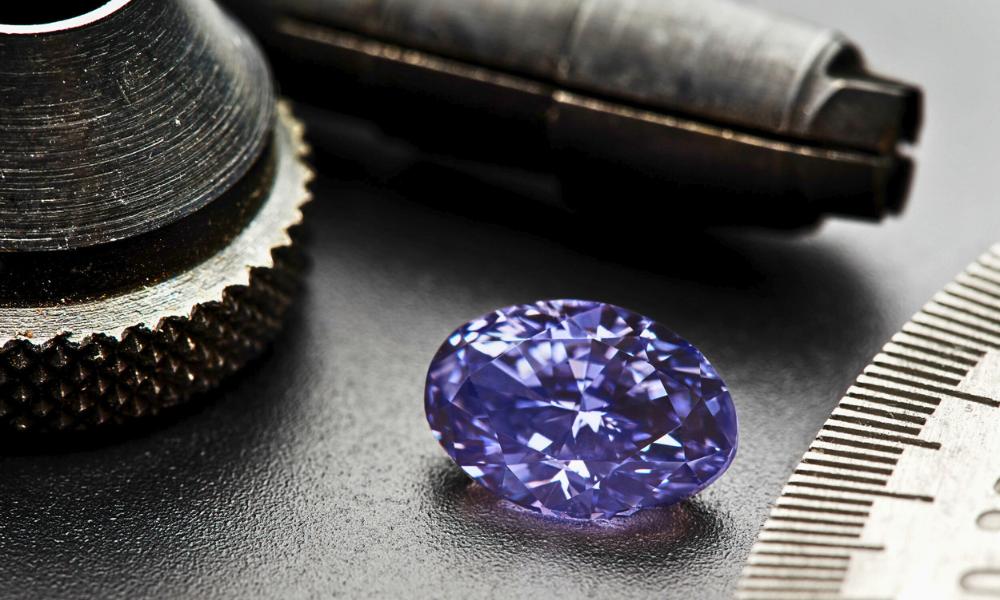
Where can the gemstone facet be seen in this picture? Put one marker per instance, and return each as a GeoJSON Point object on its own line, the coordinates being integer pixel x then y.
{"type": "Point", "coordinates": [580, 409]}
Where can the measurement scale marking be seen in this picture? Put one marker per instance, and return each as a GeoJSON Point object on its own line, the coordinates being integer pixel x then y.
{"type": "Point", "coordinates": [934, 311]}
{"type": "Point", "coordinates": [908, 332]}
{"type": "Point", "coordinates": [840, 477]}
{"type": "Point", "coordinates": [804, 567]}
{"type": "Point", "coordinates": [919, 320]}
{"type": "Point", "coordinates": [927, 410]}
{"type": "Point", "coordinates": [888, 391]}
{"type": "Point", "coordinates": [810, 532]}
{"type": "Point", "coordinates": [797, 594]}
{"type": "Point", "coordinates": [933, 388]}
{"type": "Point", "coordinates": [981, 277]}
{"type": "Point", "coordinates": [778, 589]}
{"type": "Point", "coordinates": [976, 275]}
{"type": "Point", "coordinates": [839, 499]}
{"type": "Point", "coordinates": [947, 351]}
{"type": "Point", "coordinates": [878, 435]}
{"type": "Point", "coordinates": [918, 373]}
{"type": "Point", "coordinates": [876, 424]}
{"type": "Point", "coordinates": [817, 521]}
{"type": "Point", "coordinates": [860, 456]}
{"type": "Point", "coordinates": [935, 352]}
{"type": "Point", "coordinates": [860, 491]}
{"type": "Point", "coordinates": [820, 509]}
{"type": "Point", "coordinates": [808, 555]}
{"type": "Point", "coordinates": [947, 300]}
{"type": "Point", "coordinates": [808, 544]}
{"type": "Point", "coordinates": [981, 322]}
{"type": "Point", "coordinates": [832, 439]}
{"type": "Point", "coordinates": [846, 466]}
{"type": "Point", "coordinates": [960, 292]}
{"type": "Point", "coordinates": [878, 412]}
{"type": "Point", "coordinates": [961, 372]}
{"type": "Point", "coordinates": [837, 578]}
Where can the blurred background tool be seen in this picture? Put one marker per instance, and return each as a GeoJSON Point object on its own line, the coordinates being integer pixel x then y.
{"type": "Point", "coordinates": [148, 183]}
{"type": "Point", "coordinates": [720, 113]}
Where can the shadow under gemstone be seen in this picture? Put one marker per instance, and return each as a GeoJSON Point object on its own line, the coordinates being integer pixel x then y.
{"type": "Point", "coordinates": [650, 538]}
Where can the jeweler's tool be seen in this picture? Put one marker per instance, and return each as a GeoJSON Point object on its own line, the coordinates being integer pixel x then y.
{"type": "Point", "coordinates": [721, 112]}
{"type": "Point", "coordinates": [899, 494]}
{"type": "Point", "coordinates": [148, 182]}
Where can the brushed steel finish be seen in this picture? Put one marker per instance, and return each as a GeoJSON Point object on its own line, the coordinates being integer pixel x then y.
{"type": "Point", "coordinates": [124, 120]}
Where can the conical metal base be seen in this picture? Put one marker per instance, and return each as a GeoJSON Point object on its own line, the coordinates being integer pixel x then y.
{"type": "Point", "coordinates": [147, 203]}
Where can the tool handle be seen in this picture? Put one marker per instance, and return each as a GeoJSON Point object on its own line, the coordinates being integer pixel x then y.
{"type": "Point", "coordinates": [732, 114]}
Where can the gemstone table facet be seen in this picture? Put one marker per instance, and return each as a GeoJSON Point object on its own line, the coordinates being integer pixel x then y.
{"type": "Point", "coordinates": [580, 409]}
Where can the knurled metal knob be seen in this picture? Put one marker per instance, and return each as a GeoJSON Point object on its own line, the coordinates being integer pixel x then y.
{"type": "Point", "coordinates": [150, 188]}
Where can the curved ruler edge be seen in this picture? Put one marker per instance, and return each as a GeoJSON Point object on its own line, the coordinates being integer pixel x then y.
{"type": "Point", "coordinates": [898, 495]}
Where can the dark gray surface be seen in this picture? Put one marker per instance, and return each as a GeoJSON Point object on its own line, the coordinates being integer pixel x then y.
{"type": "Point", "coordinates": [315, 474]}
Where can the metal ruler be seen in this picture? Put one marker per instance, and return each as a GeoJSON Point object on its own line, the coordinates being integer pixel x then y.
{"type": "Point", "coordinates": [899, 494]}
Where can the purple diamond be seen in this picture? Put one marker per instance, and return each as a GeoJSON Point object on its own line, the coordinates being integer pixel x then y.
{"type": "Point", "coordinates": [581, 409]}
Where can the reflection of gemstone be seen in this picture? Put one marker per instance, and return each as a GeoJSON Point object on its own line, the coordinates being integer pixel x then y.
{"type": "Point", "coordinates": [579, 408]}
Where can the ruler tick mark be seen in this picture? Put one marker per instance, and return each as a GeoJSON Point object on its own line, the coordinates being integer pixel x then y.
{"type": "Point", "coordinates": [927, 310]}
{"type": "Point", "coordinates": [886, 460]}
{"type": "Point", "coordinates": [804, 567]}
{"type": "Point", "coordinates": [950, 369]}
{"type": "Point", "coordinates": [973, 300]}
{"type": "Point", "coordinates": [843, 557]}
{"type": "Point", "coordinates": [908, 331]}
{"type": "Point", "coordinates": [920, 373]}
{"type": "Point", "coordinates": [860, 491]}
{"type": "Point", "coordinates": [958, 334]}
{"type": "Point", "coordinates": [982, 278]}
{"type": "Point", "coordinates": [816, 578]}
{"type": "Point", "coordinates": [817, 532]}
{"type": "Point", "coordinates": [840, 477]}
{"type": "Point", "coordinates": [792, 542]}
{"type": "Point", "coordinates": [820, 509]}
{"type": "Point", "coordinates": [971, 313]}
{"type": "Point", "coordinates": [779, 590]}
{"type": "Point", "coordinates": [876, 424]}
{"type": "Point", "coordinates": [927, 410]}
{"type": "Point", "coordinates": [910, 441]}
{"type": "Point", "coordinates": [832, 439]}
{"type": "Point", "coordinates": [889, 391]}
{"type": "Point", "coordinates": [846, 466]}
{"type": "Point", "coordinates": [966, 362]}
{"type": "Point", "coordinates": [817, 521]}
{"type": "Point", "coordinates": [886, 414]}
{"type": "Point", "coordinates": [936, 389]}
{"type": "Point", "coordinates": [836, 499]}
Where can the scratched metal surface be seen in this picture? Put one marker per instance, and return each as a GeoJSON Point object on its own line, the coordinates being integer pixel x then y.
{"type": "Point", "coordinates": [210, 116]}
{"type": "Point", "coordinates": [315, 475]}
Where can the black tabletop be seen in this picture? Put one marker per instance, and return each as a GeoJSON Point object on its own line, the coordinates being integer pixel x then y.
{"type": "Point", "coordinates": [314, 473]}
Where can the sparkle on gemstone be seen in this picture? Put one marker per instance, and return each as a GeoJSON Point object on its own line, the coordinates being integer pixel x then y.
{"type": "Point", "coordinates": [580, 409]}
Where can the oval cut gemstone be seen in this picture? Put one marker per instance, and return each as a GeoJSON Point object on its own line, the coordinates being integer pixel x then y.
{"type": "Point", "coordinates": [580, 409]}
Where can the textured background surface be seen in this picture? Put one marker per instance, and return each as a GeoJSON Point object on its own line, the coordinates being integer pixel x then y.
{"type": "Point", "coordinates": [315, 475]}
